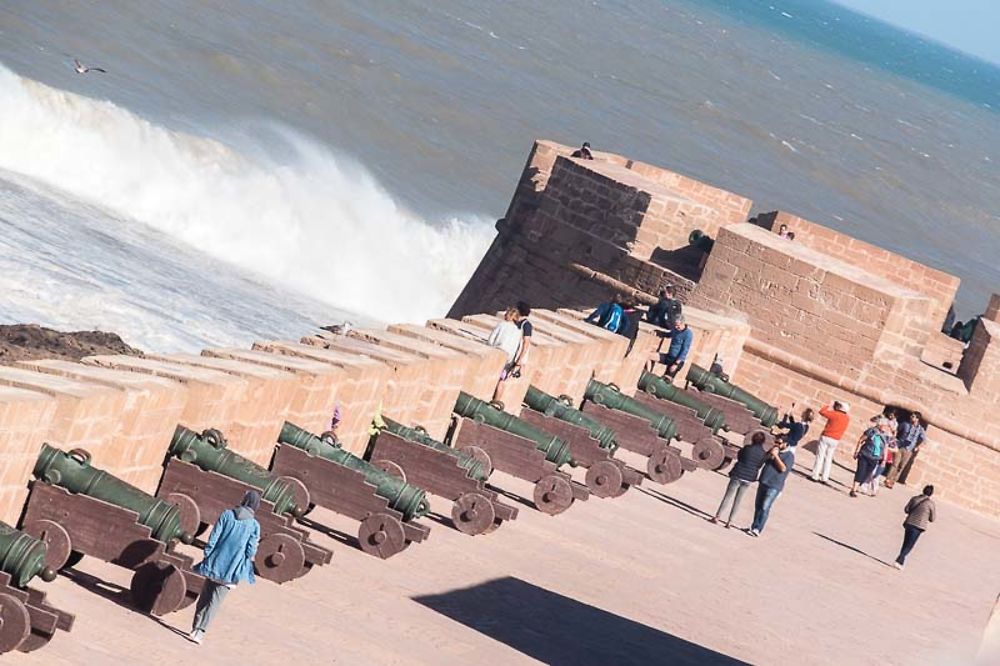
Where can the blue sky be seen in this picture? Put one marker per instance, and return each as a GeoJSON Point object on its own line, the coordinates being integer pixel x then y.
{"type": "Point", "coordinates": [971, 26]}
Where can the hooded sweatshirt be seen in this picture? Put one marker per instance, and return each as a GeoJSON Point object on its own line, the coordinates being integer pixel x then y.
{"type": "Point", "coordinates": [231, 547]}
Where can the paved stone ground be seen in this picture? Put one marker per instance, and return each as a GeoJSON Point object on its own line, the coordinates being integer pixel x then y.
{"type": "Point", "coordinates": [639, 579]}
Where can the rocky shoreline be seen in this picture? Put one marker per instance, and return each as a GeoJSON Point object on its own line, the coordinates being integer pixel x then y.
{"type": "Point", "coordinates": [26, 342]}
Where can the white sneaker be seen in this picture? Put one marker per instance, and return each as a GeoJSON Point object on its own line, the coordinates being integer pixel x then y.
{"type": "Point", "coordinates": [196, 636]}
{"type": "Point", "coordinates": [898, 565]}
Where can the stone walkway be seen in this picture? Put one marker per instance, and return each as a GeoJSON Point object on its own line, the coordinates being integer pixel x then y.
{"type": "Point", "coordinates": [639, 579]}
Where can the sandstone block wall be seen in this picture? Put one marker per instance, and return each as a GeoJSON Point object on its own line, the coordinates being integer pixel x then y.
{"type": "Point", "coordinates": [936, 285]}
{"type": "Point", "coordinates": [811, 305]}
{"type": "Point", "coordinates": [24, 422]}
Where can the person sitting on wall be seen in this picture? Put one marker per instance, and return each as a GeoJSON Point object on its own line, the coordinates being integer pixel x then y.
{"type": "Point", "coordinates": [666, 310]}
{"type": "Point", "coordinates": [681, 338]}
{"type": "Point", "coordinates": [783, 231]}
{"type": "Point", "coordinates": [583, 152]}
{"type": "Point", "coordinates": [630, 325]}
{"type": "Point", "coordinates": [607, 315]}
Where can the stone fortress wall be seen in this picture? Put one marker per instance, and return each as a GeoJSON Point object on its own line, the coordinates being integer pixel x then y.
{"type": "Point", "coordinates": [829, 316]}
{"type": "Point", "coordinates": [804, 321]}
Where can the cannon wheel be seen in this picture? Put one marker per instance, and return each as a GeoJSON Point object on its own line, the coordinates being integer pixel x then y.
{"type": "Point", "coordinates": [34, 641]}
{"type": "Point", "coordinates": [480, 455]}
{"type": "Point", "coordinates": [190, 514]}
{"type": "Point", "coordinates": [391, 468]}
{"type": "Point", "coordinates": [382, 535]}
{"type": "Point", "coordinates": [553, 494]}
{"type": "Point", "coordinates": [280, 558]}
{"type": "Point", "coordinates": [605, 479]}
{"type": "Point", "coordinates": [708, 453]}
{"type": "Point", "coordinates": [473, 513]}
{"type": "Point", "coordinates": [158, 587]}
{"type": "Point", "coordinates": [15, 623]}
{"type": "Point", "coordinates": [664, 465]}
{"type": "Point", "coordinates": [59, 547]}
{"type": "Point", "coordinates": [302, 499]}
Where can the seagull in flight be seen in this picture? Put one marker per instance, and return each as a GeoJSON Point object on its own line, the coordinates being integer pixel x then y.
{"type": "Point", "coordinates": [83, 69]}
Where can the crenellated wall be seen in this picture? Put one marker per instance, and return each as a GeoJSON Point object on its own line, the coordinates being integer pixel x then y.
{"type": "Point", "coordinates": [124, 409]}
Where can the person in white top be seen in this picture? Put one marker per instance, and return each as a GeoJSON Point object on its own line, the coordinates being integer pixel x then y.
{"type": "Point", "coordinates": [506, 336]}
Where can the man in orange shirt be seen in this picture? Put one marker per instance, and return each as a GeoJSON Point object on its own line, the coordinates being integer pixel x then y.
{"type": "Point", "coordinates": [837, 420]}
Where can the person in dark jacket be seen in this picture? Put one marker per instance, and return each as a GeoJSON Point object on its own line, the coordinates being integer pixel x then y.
{"type": "Point", "coordinates": [228, 560]}
{"type": "Point", "coordinates": [629, 327]}
{"type": "Point", "coordinates": [920, 512]}
{"type": "Point", "coordinates": [666, 310]}
{"type": "Point", "coordinates": [583, 152]}
{"type": "Point", "coordinates": [744, 473]}
{"type": "Point", "coordinates": [794, 429]}
{"type": "Point", "coordinates": [771, 483]}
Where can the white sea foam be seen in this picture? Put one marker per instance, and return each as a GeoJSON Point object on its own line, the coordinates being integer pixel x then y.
{"type": "Point", "coordinates": [317, 223]}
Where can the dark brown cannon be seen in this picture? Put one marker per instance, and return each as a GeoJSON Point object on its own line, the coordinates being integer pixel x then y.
{"type": "Point", "coordinates": [708, 450]}
{"type": "Point", "coordinates": [79, 510]}
{"type": "Point", "coordinates": [385, 505]}
{"type": "Point", "coordinates": [475, 510]}
{"type": "Point", "coordinates": [203, 478]}
{"type": "Point", "coordinates": [27, 621]}
{"type": "Point", "coordinates": [519, 449]}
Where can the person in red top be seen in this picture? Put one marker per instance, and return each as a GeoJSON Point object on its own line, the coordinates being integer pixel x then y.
{"type": "Point", "coordinates": [837, 420]}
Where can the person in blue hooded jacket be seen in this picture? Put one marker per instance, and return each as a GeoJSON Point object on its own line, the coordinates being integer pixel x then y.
{"type": "Point", "coordinates": [228, 559]}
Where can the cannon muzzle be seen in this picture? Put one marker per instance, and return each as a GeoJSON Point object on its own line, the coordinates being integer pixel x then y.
{"type": "Point", "coordinates": [611, 397]}
{"type": "Point", "coordinates": [72, 471]}
{"type": "Point", "coordinates": [555, 449]}
{"type": "Point", "coordinates": [563, 410]}
{"type": "Point", "coordinates": [403, 497]}
{"type": "Point", "coordinates": [704, 380]}
{"type": "Point", "coordinates": [23, 557]}
{"type": "Point", "coordinates": [210, 452]}
{"type": "Point", "coordinates": [659, 387]}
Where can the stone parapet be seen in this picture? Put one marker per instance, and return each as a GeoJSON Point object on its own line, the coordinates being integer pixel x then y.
{"type": "Point", "coordinates": [25, 417]}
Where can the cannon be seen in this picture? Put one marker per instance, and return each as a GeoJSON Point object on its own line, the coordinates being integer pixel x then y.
{"type": "Point", "coordinates": [455, 475]}
{"type": "Point", "coordinates": [77, 510]}
{"type": "Point", "coordinates": [592, 444]}
{"type": "Point", "coordinates": [711, 384]}
{"type": "Point", "coordinates": [639, 429]}
{"type": "Point", "coordinates": [385, 505]}
{"type": "Point", "coordinates": [203, 478]}
{"type": "Point", "coordinates": [519, 449]}
{"type": "Point", "coordinates": [711, 417]}
{"type": "Point", "coordinates": [475, 462]}
{"type": "Point", "coordinates": [696, 421]}
{"type": "Point", "coordinates": [27, 621]}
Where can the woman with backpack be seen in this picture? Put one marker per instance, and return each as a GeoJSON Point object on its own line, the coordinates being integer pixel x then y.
{"type": "Point", "coordinates": [920, 512]}
{"type": "Point", "coordinates": [870, 453]}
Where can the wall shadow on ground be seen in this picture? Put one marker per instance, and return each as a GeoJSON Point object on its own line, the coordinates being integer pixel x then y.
{"type": "Point", "coordinates": [562, 631]}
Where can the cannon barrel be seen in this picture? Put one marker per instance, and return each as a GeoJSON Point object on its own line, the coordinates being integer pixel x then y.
{"type": "Point", "coordinates": [209, 451]}
{"type": "Point", "coordinates": [704, 380]}
{"type": "Point", "coordinates": [22, 556]}
{"type": "Point", "coordinates": [609, 396]}
{"type": "Point", "coordinates": [403, 497]}
{"type": "Point", "coordinates": [659, 387]}
{"type": "Point", "coordinates": [550, 406]}
{"type": "Point", "coordinates": [72, 471]}
{"type": "Point", "coordinates": [475, 469]}
{"type": "Point", "coordinates": [555, 449]}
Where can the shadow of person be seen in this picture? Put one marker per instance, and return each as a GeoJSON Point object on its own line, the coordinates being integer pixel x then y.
{"type": "Point", "coordinates": [852, 548]}
{"type": "Point", "coordinates": [561, 631]}
{"type": "Point", "coordinates": [676, 503]}
{"type": "Point", "coordinates": [112, 592]}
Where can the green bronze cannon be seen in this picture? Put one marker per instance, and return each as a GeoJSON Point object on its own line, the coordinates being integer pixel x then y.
{"type": "Point", "coordinates": [555, 449]}
{"type": "Point", "coordinates": [210, 453]}
{"type": "Point", "coordinates": [609, 396]}
{"type": "Point", "coordinates": [72, 471]}
{"type": "Point", "coordinates": [563, 410]}
{"type": "Point", "coordinates": [656, 386]}
{"type": "Point", "coordinates": [22, 556]}
{"type": "Point", "coordinates": [27, 622]}
{"type": "Point", "coordinates": [705, 381]}
{"type": "Point", "coordinates": [403, 497]}
{"type": "Point", "coordinates": [474, 467]}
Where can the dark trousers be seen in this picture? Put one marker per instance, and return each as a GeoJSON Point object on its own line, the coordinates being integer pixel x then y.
{"type": "Point", "coordinates": [762, 506]}
{"type": "Point", "coordinates": [910, 536]}
{"type": "Point", "coordinates": [866, 466]}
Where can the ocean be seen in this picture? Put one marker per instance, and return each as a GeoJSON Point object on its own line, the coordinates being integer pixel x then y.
{"type": "Point", "coordinates": [250, 169]}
